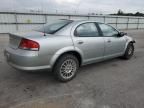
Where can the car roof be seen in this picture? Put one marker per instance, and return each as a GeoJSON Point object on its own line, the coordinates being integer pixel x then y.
{"type": "Point", "coordinates": [79, 20]}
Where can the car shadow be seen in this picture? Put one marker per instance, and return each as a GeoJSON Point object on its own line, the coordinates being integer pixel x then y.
{"type": "Point", "coordinates": [49, 76]}
{"type": "Point", "coordinates": [112, 62]}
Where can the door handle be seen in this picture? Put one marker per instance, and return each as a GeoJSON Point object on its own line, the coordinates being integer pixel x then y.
{"type": "Point", "coordinates": [109, 41]}
{"type": "Point", "coordinates": [80, 42]}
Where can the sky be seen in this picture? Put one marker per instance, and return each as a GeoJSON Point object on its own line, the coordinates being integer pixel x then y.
{"type": "Point", "coordinates": [77, 6]}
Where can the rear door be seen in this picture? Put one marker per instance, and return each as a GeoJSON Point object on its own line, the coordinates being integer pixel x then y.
{"type": "Point", "coordinates": [88, 40]}
{"type": "Point", "coordinates": [114, 45]}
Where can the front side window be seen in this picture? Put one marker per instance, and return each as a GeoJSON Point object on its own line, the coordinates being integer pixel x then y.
{"type": "Point", "coordinates": [87, 30]}
{"type": "Point", "coordinates": [53, 27]}
{"type": "Point", "coordinates": [108, 30]}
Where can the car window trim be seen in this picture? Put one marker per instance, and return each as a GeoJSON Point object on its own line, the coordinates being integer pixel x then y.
{"type": "Point", "coordinates": [87, 36]}
{"type": "Point", "coordinates": [99, 30]}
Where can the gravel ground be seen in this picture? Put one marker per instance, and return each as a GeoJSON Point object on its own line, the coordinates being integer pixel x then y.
{"type": "Point", "coordinates": [114, 83]}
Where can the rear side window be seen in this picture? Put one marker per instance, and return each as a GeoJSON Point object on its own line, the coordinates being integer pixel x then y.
{"type": "Point", "coordinates": [53, 27]}
{"type": "Point", "coordinates": [107, 30]}
{"type": "Point", "coordinates": [87, 30]}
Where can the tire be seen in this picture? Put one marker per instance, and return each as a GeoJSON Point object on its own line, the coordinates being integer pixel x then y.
{"type": "Point", "coordinates": [66, 68]}
{"type": "Point", "coordinates": [129, 52]}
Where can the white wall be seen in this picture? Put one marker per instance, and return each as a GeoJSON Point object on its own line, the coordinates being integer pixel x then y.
{"type": "Point", "coordinates": [12, 22]}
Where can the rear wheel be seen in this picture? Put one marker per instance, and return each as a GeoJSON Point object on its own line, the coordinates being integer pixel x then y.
{"type": "Point", "coordinates": [66, 67]}
{"type": "Point", "coordinates": [129, 51]}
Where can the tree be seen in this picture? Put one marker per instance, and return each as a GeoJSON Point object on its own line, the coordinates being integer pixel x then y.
{"type": "Point", "coordinates": [139, 14]}
{"type": "Point", "coordinates": [120, 12]}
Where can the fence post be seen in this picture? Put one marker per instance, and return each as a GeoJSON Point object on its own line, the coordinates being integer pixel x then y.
{"type": "Point", "coordinates": [127, 23]}
{"type": "Point", "coordinates": [16, 21]}
{"type": "Point", "coordinates": [88, 17]}
{"type": "Point", "coordinates": [116, 22]}
{"type": "Point", "coordinates": [69, 17]}
{"type": "Point", "coordinates": [104, 19]}
{"type": "Point", "coordinates": [138, 23]}
{"type": "Point", "coordinates": [45, 18]}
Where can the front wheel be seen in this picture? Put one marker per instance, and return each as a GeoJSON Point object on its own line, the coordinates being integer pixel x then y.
{"type": "Point", "coordinates": [129, 51]}
{"type": "Point", "coordinates": [66, 67]}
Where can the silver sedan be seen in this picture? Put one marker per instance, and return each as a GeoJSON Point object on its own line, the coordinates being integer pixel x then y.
{"type": "Point", "coordinates": [65, 45]}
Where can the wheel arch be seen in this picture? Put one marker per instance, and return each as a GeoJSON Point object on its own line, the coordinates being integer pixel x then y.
{"type": "Point", "coordinates": [70, 51]}
{"type": "Point", "coordinates": [130, 40]}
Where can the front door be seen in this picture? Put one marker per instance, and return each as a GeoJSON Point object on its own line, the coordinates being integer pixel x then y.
{"type": "Point", "coordinates": [114, 45]}
{"type": "Point", "coordinates": [87, 39]}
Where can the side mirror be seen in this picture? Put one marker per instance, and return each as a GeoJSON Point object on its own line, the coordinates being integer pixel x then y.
{"type": "Point", "coordinates": [121, 34]}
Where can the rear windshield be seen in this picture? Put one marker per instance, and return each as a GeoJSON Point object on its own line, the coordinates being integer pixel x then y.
{"type": "Point", "coordinates": [52, 28]}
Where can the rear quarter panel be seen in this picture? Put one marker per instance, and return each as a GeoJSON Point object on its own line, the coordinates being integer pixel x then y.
{"type": "Point", "coordinates": [51, 47]}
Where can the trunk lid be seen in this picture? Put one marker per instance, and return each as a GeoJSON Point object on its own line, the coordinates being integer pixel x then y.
{"type": "Point", "coordinates": [15, 38]}
{"type": "Point", "coordinates": [14, 41]}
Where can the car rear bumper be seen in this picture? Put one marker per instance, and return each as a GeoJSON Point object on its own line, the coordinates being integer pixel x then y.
{"type": "Point", "coordinates": [29, 68]}
{"type": "Point", "coordinates": [26, 60]}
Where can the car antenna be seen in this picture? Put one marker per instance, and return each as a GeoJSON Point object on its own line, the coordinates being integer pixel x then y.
{"type": "Point", "coordinates": [45, 20]}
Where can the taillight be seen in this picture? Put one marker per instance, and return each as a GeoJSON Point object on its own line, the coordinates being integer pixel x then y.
{"type": "Point", "coordinates": [27, 44]}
